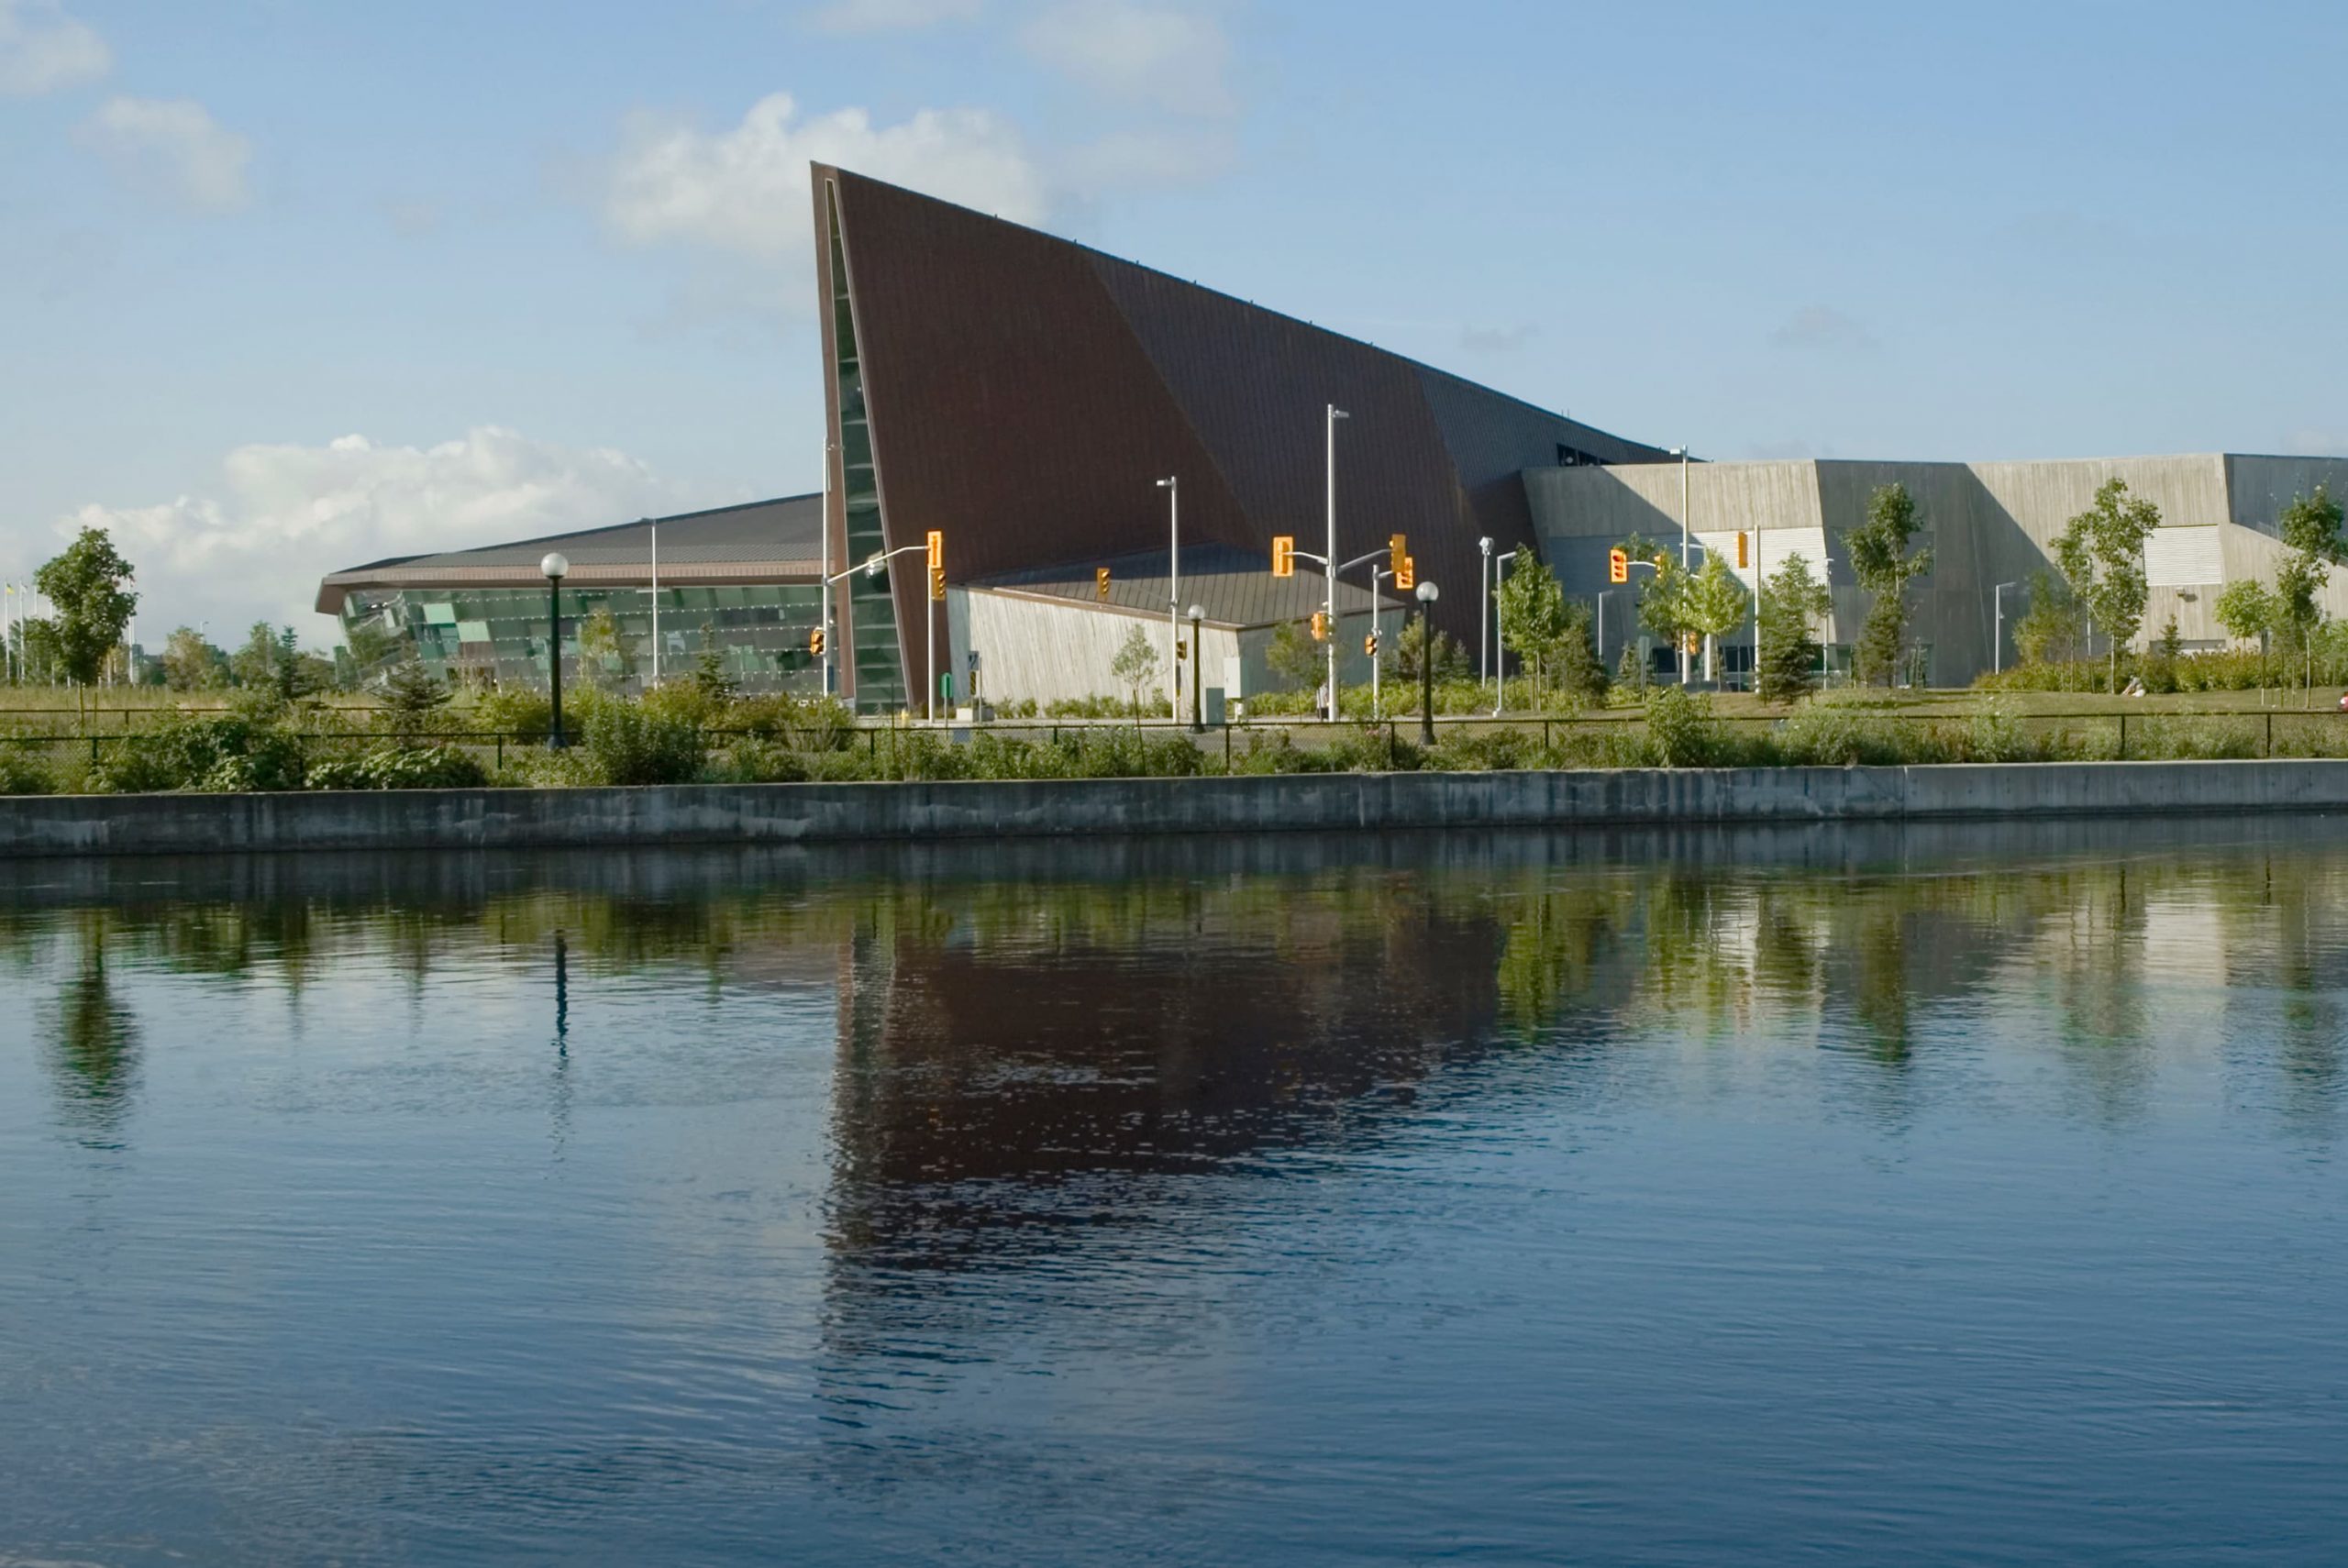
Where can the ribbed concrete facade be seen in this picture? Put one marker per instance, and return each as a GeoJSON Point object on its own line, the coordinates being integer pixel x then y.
{"type": "Point", "coordinates": [1987, 524]}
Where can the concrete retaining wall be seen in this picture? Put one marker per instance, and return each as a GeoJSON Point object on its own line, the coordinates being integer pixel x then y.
{"type": "Point", "coordinates": [800, 814]}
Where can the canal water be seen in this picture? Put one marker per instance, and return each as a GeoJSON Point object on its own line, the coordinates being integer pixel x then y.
{"type": "Point", "coordinates": [1965, 1195]}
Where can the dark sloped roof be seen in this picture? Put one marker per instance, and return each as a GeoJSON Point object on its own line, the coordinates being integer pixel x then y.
{"type": "Point", "coordinates": [758, 541]}
{"type": "Point", "coordinates": [1235, 588]}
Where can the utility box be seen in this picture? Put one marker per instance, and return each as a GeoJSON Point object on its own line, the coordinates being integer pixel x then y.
{"type": "Point", "coordinates": [1215, 711]}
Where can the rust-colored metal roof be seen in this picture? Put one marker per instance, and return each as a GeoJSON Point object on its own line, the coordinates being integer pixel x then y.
{"type": "Point", "coordinates": [1026, 393]}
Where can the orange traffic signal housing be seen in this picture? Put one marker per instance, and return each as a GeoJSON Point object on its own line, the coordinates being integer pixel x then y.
{"type": "Point", "coordinates": [1743, 557]}
{"type": "Point", "coordinates": [815, 642]}
{"type": "Point", "coordinates": [1101, 582]}
{"type": "Point", "coordinates": [936, 551]}
{"type": "Point", "coordinates": [937, 582]}
{"type": "Point", "coordinates": [1397, 557]}
{"type": "Point", "coordinates": [1369, 645]}
{"type": "Point", "coordinates": [1406, 575]}
{"type": "Point", "coordinates": [1320, 625]}
{"type": "Point", "coordinates": [1618, 565]}
{"type": "Point", "coordinates": [1283, 554]}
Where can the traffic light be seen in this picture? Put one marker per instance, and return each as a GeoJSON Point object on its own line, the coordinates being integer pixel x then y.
{"type": "Point", "coordinates": [1743, 557]}
{"type": "Point", "coordinates": [815, 642]}
{"type": "Point", "coordinates": [937, 582]}
{"type": "Point", "coordinates": [1320, 625]}
{"type": "Point", "coordinates": [1182, 649]}
{"type": "Point", "coordinates": [1406, 576]}
{"type": "Point", "coordinates": [1398, 559]}
{"type": "Point", "coordinates": [937, 552]}
{"type": "Point", "coordinates": [1618, 565]}
{"type": "Point", "coordinates": [1369, 645]}
{"type": "Point", "coordinates": [1283, 554]}
{"type": "Point", "coordinates": [1100, 583]}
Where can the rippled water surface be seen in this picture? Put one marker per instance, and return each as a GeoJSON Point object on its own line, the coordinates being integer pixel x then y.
{"type": "Point", "coordinates": [1967, 1197]}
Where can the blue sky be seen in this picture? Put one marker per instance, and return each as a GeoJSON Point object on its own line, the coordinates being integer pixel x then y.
{"type": "Point", "coordinates": [294, 285]}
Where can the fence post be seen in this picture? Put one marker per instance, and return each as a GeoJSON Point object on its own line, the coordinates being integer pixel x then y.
{"type": "Point", "coordinates": [2123, 734]}
{"type": "Point", "coordinates": [94, 750]}
{"type": "Point", "coordinates": [500, 751]}
{"type": "Point", "coordinates": [2270, 730]}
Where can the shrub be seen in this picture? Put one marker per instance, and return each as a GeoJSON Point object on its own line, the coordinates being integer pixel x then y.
{"type": "Point", "coordinates": [1997, 734]}
{"type": "Point", "coordinates": [528, 716]}
{"type": "Point", "coordinates": [24, 771]}
{"type": "Point", "coordinates": [227, 752]}
{"type": "Point", "coordinates": [640, 742]}
{"type": "Point", "coordinates": [1822, 733]}
{"type": "Point", "coordinates": [401, 767]}
{"type": "Point", "coordinates": [1683, 731]}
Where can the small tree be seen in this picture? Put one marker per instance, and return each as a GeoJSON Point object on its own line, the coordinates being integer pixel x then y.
{"type": "Point", "coordinates": [1582, 675]}
{"type": "Point", "coordinates": [1664, 609]}
{"type": "Point", "coordinates": [1136, 665]}
{"type": "Point", "coordinates": [2310, 530]}
{"type": "Point", "coordinates": [1716, 605]}
{"type": "Point", "coordinates": [93, 609]}
{"type": "Point", "coordinates": [2051, 631]}
{"type": "Point", "coordinates": [1401, 658]}
{"type": "Point", "coordinates": [1293, 656]}
{"type": "Point", "coordinates": [2103, 554]}
{"type": "Point", "coordinates": [711, 680]}
{"type": "Point", "coordinates": [1792, 603]}
{"type": "Point", "coordinates": [1533, 615]}
{"type": "Point", "coordinates": [191, 663]}
{"type": "Point", "coordinates": [604, 657]}
{"type": "Point", "coordinates": [2246, 610]}
{"type": "Point", "coordinates": [272, 665]}
{"type": "Point", "coordinates": [414, 694]}
{"type": "Point", "coordinates": [1877, 550]}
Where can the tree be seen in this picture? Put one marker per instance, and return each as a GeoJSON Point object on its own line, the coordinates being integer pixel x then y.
{"type": "Point", "coordinates": [2311, 531]}
{"type": "Point", "coordinates": [272, 665]}
{"type": "Point", "coordinates": [1293, 656]}
{"type": "Point", "coordinates": [2102, 553]}
{"type": "Point", "coordinates": [604, 656]}
{"type": "Point", "coordinates": [414, 694]}
{"type": "Point", "coordinates": [1792, 603]}
{"type": "Point", "coordinates": [92, 609]}
{"type": "Point", "coordinates": [1582, 675]}
{"type": "Point", "coordinates": [1716, 604]}
{"type": "Point", "coordinates": [2246, 610]}
{"type": "Point", "coordinates": [1664, 609]}
{"type": "Point", "coordinates": [714, 681]}
{"type": "Point", "coordinates": [1877, 550]}
{"type": "Point", "coordinates": [2050, 633]}
{"type": "Point", "coordinates": [190, 663]}
{"type": "Point", "coordinates": [1533, 615]}
{"type": "Point", "coordinates": [1401, 658]}
{"type": "Point", "coordinates": [1136, 665]}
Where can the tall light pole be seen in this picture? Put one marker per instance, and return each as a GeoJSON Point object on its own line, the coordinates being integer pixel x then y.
{"type": "Point", "coordinates": [1500, 633]}
{"type": "Point", "coordinates": [1172, 486]}
{"type": "Point", "coordinates": [1998, 649]}
{"type": "Point", "coordinates": [1426, 663]}
{"type": "Point", "coordinates": [1680, 643]}
{"type": "Point", "coordinates": [823, 598]}
{"type": "Point", "coordinates": [1198, 662]}
{"type": "Point", "coordinates": [654, 525]}
{"type": "Point", "coordinates": [1330, 563]}
{"type": "Point", "coordinates": [1484, 608]}
{"type": "Point", "coordinates": [557, 567]}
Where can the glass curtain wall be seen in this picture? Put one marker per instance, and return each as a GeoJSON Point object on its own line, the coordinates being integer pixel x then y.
{"type": "Point", "coordinates": [873, 613]}
{"type": "Point", "coordinates": [498, 636]}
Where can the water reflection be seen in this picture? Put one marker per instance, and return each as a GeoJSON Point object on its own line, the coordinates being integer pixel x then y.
{"type": "Point", "coordinates": [92, 1039]}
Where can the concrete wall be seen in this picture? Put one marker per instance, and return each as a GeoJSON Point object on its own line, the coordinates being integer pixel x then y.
{"type": "Point", "coordinates": [1987, 524]}
{"type": "Point", "coordinates": [522, 819]}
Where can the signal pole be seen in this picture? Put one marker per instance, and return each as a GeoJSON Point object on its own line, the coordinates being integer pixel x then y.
{"type": "Point", "coordinates": [1329, 561]}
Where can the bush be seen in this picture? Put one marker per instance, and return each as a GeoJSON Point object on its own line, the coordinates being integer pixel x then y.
{"type": "Point", "coordinates": [24, 771]}
{"type": "Point", "coordinates": [1683, 731]}
{"type": "Point", "coordinates": [1997, 734]}
{"type": "Point", "coordinates": [401, 767]}
{"type": "Point", "coordinates": [641, 743]}
{"type": "Point", "coordinates": [1824, 733]}
{"type": "Point", "coordinates": [528, 716]}
{"type": "Point", "coordinates": [224, 753]}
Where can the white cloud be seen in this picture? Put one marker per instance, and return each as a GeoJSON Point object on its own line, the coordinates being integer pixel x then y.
{"type": "Point", "coordinates": [290, 515]}
{"type": "Point", "coordinates": [1125, 160]}
{"type": "Point", "coordinates": [891, 15]}
{"type": "Point", "coordinates": [173, 148]}
{"type": "Point", "coordinates": [1825, 329]}
{"type": "Point", "coordinates": [745, 191]}
{"type": "Point", "coordinates": [1135, 54]}
{"type": "Point", "coordinates": [42, 50]}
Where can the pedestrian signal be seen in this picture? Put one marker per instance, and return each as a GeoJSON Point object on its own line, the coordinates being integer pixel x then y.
{"type": "Point", "coordinates": [1398, 559]}
{"type": "Point", "coordinates": [1369, 645]}
{"type": "Point", "coordinates": [1320, 625]}
{"type": "Point", "coordinates": [937, 582]}
{"type": "Point", "coordinates": [815, 642]}
{"type": "Point", "coordinates": [1100, 583]}
{"type": "Point", "coordinates": [937, 552]}
{"type": "Point", "coordinates": [1284, 555]}
{"type": "Point", "coordinates": [1618, 565]}
{"type": "Point", "coordinates": [1406, 576]}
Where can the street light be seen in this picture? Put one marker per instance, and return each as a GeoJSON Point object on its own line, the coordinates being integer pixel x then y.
{"type": "Point", "coordinates": [1172, 486]}
{"type": "Point", "coordinates": [1426, 664]}
{"type": "Point", "coordinates": [1330, 561]}
{"type": "Point", "coordinates": [1198, 672]}
{"type": "Point", "coordinates": [557, 567]}
{"type": "Point", "coordinates": [1998, 649]}
{"type": "Point", "coordinates": [1484, 608]}
{"type": "Point", "coordinates": [1500, 631]}
{"type": "Point", "coordinates": [1679, 648]}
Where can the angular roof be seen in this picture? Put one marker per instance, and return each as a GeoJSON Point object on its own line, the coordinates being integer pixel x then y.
{"type": "Point", "coordinates": [758, 541]}
{"type": "Point", "coordinates": [1235, 588]}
